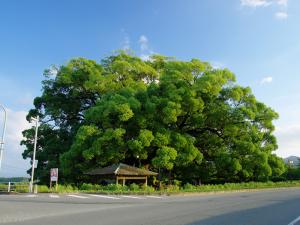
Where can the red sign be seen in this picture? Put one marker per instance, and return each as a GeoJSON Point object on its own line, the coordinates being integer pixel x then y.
{"type": "Point", "coordinates": [54, 174]}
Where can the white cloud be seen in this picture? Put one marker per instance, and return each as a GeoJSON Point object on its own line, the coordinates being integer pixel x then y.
{"type": "Point", "coordinates": [143, 41]}
{"type": "Point", "coordinates": [278, 4]}
{"type": "Point", "coordinates": [53, 70]}
{"type": "Point", "coordinates": [282, 2]}
{"type": "Point", "coordinates": [281, 15]}
{"type": "Point", "coordinates": [145, 50]}
{"type": "Point", "coordinates": [13, 163]}
{"type": "Point", "coordinates": [266, 80]}
{"type": "Point", "coordinates": [263, 3]}
{"type": "Point", "coordinates": [255, 3]}
{"type": "Point", "coordinates": [288, 140]}
{"type": "Point", "coordinates": [218, 65]}
{"type": "Point", "coordinates": [126, 41]}
{"type": "Point", "coordinates": [145, 57]}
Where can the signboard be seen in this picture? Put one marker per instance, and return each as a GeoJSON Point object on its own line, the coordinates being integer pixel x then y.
{"type": "Point", "coordinates": [35, 163]}
{"type": "Point", "coordinates": [54, 174]}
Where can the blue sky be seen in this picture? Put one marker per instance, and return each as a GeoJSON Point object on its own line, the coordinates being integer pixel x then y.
{"type": "Point", "coordinates": [257, 39]}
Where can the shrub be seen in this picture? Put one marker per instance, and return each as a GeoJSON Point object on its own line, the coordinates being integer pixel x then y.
{"type": "Point", "coordinates": [65, 189]}
{"type": "Point", "coordinates": [115, 188]}
{"type": "Point", "coordinates": [134, 187]}
{"type": "Point", "coordinates": [177, 182]}
{"type": "Point", "coordinates": [20, 187]}
{"type": "Point", "coordinates": [172, 188]}
{"type": "Point", "coordinates": [43, 189]}
{"type": "Point", "coordinates": [87, 187]}
{"type": "Point", "coordinates": [189, 187]}
{"type": "Point", "coordinates": [148, 189]}
{"type": "Point", "coordinates": [91, 187]}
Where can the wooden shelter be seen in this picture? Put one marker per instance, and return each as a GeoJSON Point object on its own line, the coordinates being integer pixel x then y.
{"type": "Point", "coordinates": [122, 172]}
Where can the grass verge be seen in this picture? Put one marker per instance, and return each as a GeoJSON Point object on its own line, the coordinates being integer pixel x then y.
{"type": "Point", "coordinates": [166, 189]}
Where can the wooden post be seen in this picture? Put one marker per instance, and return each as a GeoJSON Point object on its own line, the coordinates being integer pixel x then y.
{"type": "Point", "coordinates": [146, 181]}
{"type": "Point", "coordinates": [124, 179]}
{"type": "Point", "coordinates": [117, 181]}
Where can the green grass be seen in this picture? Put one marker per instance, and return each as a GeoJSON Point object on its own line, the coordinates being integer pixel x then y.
{"type": "Point", "coordinates": [15, 187]}
{"type": "Point", "coordinates": [59, 189]}
{"type": "Point", "coordinates": [141, 189]}
{"type": "Point", "coordinates": [166, 189]}
{"type": "Point", "coordinates": [238, 186]}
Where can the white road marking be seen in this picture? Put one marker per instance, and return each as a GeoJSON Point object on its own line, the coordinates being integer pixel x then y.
{"type": "Point", "coordinates": [152, 196]}
{"type": "Point", "coordinates": [30, 196]}
{"type": "Point", "coordinates": [295, 221]}
{"type": "Point", "coordinates": [54, 196]}
{"type": "Point", "coordinates": [129, 196]}
{"type": "Point", "coordinates": [104, 196]}
{"type": "Point", "coordinates": [77, 196]}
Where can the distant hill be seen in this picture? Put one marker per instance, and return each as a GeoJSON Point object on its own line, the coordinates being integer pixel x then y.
{"type": "Point", "coordinates": [294, 159]}
{"type": "Point", "coordinates": [14, 179]}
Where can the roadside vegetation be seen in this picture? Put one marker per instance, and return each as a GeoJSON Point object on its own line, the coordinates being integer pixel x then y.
{"type": "Point", "coordinates": [19, 187]}
{"type": "Point", "coordinates": [166, 189]}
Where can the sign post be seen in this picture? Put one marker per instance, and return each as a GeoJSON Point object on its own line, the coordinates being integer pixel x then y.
{"type": "Point", "coordinates": [36, 163]}
{"type": "Point", "coordinates": [53, 177]}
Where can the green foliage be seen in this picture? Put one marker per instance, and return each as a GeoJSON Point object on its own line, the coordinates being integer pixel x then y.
{"type": "Point", "coordinates": [134, 187]}
{"type": "Point", "coordinates": [90, 187]}
{"type": "Point", "coordinates": [292, 172]}
{"type": "Point", "coordinates": [65, 189]}
{"type": "Point", "coordinates": [115, 188]}
{"type": "Point", "coordinates": [19, 187]}
{"type": "Point", "coordinates": [165, 189]}
{"type": "Point", "coordinates": [43, 189]}
{"type": "Point", "coordinates": [238, 186]}
{"type": "Point", "coordinates": [185, 120]}
{"type": "Point", "coordinates": [165, 158]}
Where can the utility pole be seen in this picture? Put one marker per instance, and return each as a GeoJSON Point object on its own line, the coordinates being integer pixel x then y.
{"type": "Point", "coordinates": [34, 151]}
{"type": "Point", "coordinates": [3, 134]}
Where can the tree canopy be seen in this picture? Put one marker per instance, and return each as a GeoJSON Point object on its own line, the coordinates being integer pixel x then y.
{"type": "Point", "coordinates": [185, 119]}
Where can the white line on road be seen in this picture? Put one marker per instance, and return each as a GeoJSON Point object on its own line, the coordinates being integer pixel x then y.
{"type": "Point", "coordinates": [30, 196]}
{"type": "Point", "coordinates": [53, 196]}
{"type": "Point", "coordinates": [104, 196]}
{"type": "Point", "coordinates": [77, 196]}
{"type": "Point", "coordinates": [152, 196]}
{"type": "Point", "coordinates": [295, 221]}
{"type": "Point", "coordinates": [129, 196]}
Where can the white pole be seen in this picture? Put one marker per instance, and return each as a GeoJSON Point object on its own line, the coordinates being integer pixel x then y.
{"type": "Point", "coordinates": [3, 134]}
{"type": "Point", "coordinates": [34, 152]}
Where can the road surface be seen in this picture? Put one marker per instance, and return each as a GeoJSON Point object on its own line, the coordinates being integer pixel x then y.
{"type": "Point", "coordinates": [267, 207]}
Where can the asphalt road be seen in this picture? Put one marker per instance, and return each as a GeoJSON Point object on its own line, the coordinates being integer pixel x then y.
{"type": "Point", "coordinates": [268, 207]}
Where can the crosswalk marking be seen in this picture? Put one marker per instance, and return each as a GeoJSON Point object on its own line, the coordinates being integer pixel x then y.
{"type": "Point", "coordinates": [129, 196]}
{"type": "Point", "coordinates": [77, 196]}
{"type": "Point", "coordinates": [104, 196]}
{"type": "Point", "coordinates": [53, 196]}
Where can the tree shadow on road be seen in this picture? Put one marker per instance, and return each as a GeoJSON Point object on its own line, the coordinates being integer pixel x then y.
{"type": "Point", "coordinates": [274, 214]}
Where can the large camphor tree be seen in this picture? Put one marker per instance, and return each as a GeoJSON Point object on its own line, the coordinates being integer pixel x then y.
{"type": "Point", "coordinates": [186, 120]}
